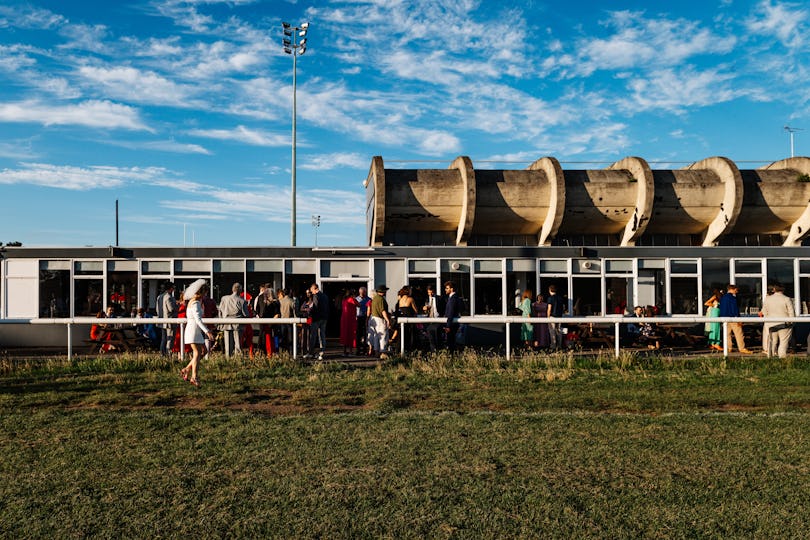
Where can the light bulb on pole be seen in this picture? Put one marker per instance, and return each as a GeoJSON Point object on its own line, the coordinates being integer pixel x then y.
{"type": "Point", "coordinates": [295, 44]}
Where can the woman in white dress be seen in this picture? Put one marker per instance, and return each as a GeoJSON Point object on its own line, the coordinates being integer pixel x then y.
{"type": "Point", "coordinates": [196, 331]}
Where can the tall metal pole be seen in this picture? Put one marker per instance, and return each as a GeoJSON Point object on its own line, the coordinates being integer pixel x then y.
{"type": "Point", "coordinates": [116, 222]}
{"type": "Point", "coordinates": [292, 205]}
{"type": "Point", "coordinates": [791, 144]}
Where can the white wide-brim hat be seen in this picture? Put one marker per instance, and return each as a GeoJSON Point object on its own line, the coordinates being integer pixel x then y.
{"type": "Point", "coordinates": [193, 289]}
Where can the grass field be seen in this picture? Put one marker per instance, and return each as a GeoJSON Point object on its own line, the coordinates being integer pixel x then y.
{"type": "Point", "coordinates": [449, 448]}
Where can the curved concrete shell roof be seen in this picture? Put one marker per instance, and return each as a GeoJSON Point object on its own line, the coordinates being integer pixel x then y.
{"type": "Point", "coordinates": [708, 200]}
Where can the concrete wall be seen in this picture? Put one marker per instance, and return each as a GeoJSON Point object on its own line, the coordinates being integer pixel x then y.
{"type": "Point", "coordinates": [710, 198]}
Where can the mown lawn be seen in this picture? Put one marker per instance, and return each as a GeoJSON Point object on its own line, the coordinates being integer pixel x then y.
{"type": "Point", "coordinates": [471, 447]}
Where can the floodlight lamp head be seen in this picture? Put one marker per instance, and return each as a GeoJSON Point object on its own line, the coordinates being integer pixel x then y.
{"type": "Point", "coordinates": [286, 42]}
{"type": "Point", "coordinates": [304, 26]}
{"type": "Point", "coordinates": [287, 32]}
{"type": "Point", "coordinates": [302, 50]}
{"type": "Point", "coordinates": [302, 33]}
{"type": "Point", "coordinates": [287, 50]}
{"type": "Point", "coordinates": [285, 25]}
{"type": "Point", "coordinates": [303, 42]}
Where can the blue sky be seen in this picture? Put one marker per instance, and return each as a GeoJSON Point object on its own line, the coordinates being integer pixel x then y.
{"type": "Point", "coordinates": [180, 109]}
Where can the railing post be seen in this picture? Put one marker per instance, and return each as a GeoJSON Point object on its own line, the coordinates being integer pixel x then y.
{"type": "Point", "coordinates": [295, 340]}
{"type": "Point", "coordinates": [182, 352]}
{"type": "Point", "coordinates": [401, 338]}
{"type": "Point", "coordinates": [616, 339]}
{"type": "Point", "coordinates": [508, 341]}
{"type": "Point", "coordinates": [69, 342]}
{"type": "Point", "coordinates": [725, 339]}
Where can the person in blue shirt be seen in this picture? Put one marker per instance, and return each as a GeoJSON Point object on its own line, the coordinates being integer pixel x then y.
{"type": "Point", "coordinates": [730, 308]}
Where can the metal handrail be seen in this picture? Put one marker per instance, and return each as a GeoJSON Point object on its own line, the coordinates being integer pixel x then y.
{"type": "Point", "coordinates": [507, 321]}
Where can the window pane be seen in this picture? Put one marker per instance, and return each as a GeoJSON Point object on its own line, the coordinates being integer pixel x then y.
{"type": "Point", "coordinates": [715, 276]}
{"type": "Point", "coordinates": [88, 297]}
{"type": "Point", "coordinates": [804, 267]}
{"type": "Point", "coordinates": [683, 267]}
{"type": "Point", "coordinates": [488, 296]}
{"type": "Point", "coordinates": [123, 292]}
{"type": "Point", "coordinates": [749, 296]}
{"type": "Point", "coordinates": [780, 272]}
{"type": "Point", "coordinates": [748, 267]}
{"type": "Point", "coordinates": [685, 296]}
{"type": "Point", "coordinates": [587, 296]}
{"type": "Point", "coordinates": [54, 293]}
{"type": "Point", "coordinates": [620, 266]}
{"type": "Point", "coordinates": [229, 266]}
{"type": "Point", "coordinates": [554, 266]}
{"type": "Point", "coordinates": [487, 267]}
{"type": "Point", "coordinates": [804, 295]}
{"type": "Point", "coordinates": [85, 268]}
{"type": "Point", "coordinates": [156, 267]}
{"type": "Point", "coordinates": [616, 294]}
{"type": "Point", "coordinates": [462, 284]}
{"type": "Point", "coordinates": [422, 266]}
{"type": "Point", "coordinates": [194, 267]}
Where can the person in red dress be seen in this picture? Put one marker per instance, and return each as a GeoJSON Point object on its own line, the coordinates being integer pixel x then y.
{"type": "Point", "coordinates": [348, 322]}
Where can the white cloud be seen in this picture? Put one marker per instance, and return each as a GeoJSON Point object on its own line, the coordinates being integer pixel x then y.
{"type": "Point", "coordinates": [161, 146]}
{"type": "Point", "coordinates": [245, 135]}
{"type": "Point", "coordinates": [17, 150]}
{"type": "Point", "coordinates": [29, 17]}
{"type": "Point", "coordinates": [78, 178]}
{"type": "Point", "coordinates": [677, 90]}
{"type": "Point", "coordinates": [325, 162]}
{"type": "Point", "coordinates": [640, 42]}
{"type": "Point", "coordinates": [785, 21]}
{"type": "Point", "coordinates": [130, 84]}
{"type": "Point", "coordinates": [94, 114]}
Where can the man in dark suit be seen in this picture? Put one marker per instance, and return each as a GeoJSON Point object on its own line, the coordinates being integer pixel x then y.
{"type": "Point", "coordinates": [452, 310]}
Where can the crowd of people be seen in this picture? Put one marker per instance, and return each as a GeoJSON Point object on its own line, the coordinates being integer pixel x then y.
{"type": "Point", "coordinates": [368, 324]}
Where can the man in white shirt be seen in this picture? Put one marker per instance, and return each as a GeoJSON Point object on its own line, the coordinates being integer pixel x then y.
{"type": "Point", "coordinates": [778, 305]}
{"type": "Point", "coordinates": [431, 309]}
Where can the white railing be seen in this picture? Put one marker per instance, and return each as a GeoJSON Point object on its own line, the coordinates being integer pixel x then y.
{"type": "Point", "coordinates": [134, 321]}
{"type": "Point", "coordinates": [615, 321]}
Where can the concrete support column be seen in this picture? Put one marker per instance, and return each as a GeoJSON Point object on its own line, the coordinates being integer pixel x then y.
{"type": "Point", "coordinates": [645, 191]}
{"type": "Point", "coordinates": [556, 202]}
{"type": "Point", "coordinates": [464, 166]}
{"type": "Point", "coordinates": [801, 227]}
{"type": "Point", "coordinates": [730, 208]}
{"type": "Point", "coordinates": [375, 201]}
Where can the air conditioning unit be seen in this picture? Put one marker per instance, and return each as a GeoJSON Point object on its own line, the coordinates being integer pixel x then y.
{"type": "Point", "coordinates": [455, 266]}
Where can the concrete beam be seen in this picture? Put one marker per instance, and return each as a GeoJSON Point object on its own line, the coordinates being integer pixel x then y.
{"type": "Point", "coordinates": [375, 201]}
{"type": "Point", "coordinates": [556, 201]}
{"type": "Point", "coordinates": [801, 228]}
{"type": "Point", "coordinates": [645, 192]}
{"type": "Point", "coordinates": [730, 177]}
{"type": "Point", "coordinates": [464, 166]}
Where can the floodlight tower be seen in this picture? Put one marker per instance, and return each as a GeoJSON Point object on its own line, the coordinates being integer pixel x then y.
{"type": "Point", "coordinates": [792, 130]}
{"type": "Point", "coordinates": [295, 44]}
{"type": "Point", "coordinates": [316, 222]}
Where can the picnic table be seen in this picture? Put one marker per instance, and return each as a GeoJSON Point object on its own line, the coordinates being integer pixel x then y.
{"type": "Point", "coordinates": [120, 339]}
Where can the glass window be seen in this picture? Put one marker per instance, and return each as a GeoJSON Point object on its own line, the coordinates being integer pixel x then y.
{"type": "Point", "coordinates": [780, 272]}
{"type": "Point", "coordinates": [156, 267]}
{"type": "Point", "coordinates": [804, 295]}
{"type": "Point", "coordinates": [487, 267]}
{"type": "Point", "coordinates": [617, 291]}
{"type": "Point", "coordinates": [88, 297]}
{"type": "Point", "coordinates": [685, 296]}
{"type": "Point", "coordinates": [559, 266]}
{"type": "Point", "coordinates": [422, 266]}
{"type": "Point", "coordinates": [54, 289]}
{"type": "Point", "coordinates": [122, 288]}
{"type": "Point", "coordinates": [683, 266]}
{"type": "Point", "coordinates": [748, 267]}
{"type": "Point", "coordinates": [488, 296]}
{"type": "Point", "coordinates": [804, 267]}
{"type": "Point", "coordinates": [619, 266]}
{"type": "Point", "coordinates": [749, 296]}
{"type": "Point", "coordinates": [88, 268]}
{"type": "Point", "coordinates": [715, 276]}
{"type": "Point", "coordinates": [194, 267]}
{"type": "Point", "coordinates": [459, 273]}
{"type": "Point", "coordinates": [561, 283]}
{"type": "Point", "coordinates": [587, 295]}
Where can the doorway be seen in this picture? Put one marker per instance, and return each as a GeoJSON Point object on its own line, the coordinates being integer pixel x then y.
{"type": "Point", "coordinates": [336, 290]}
